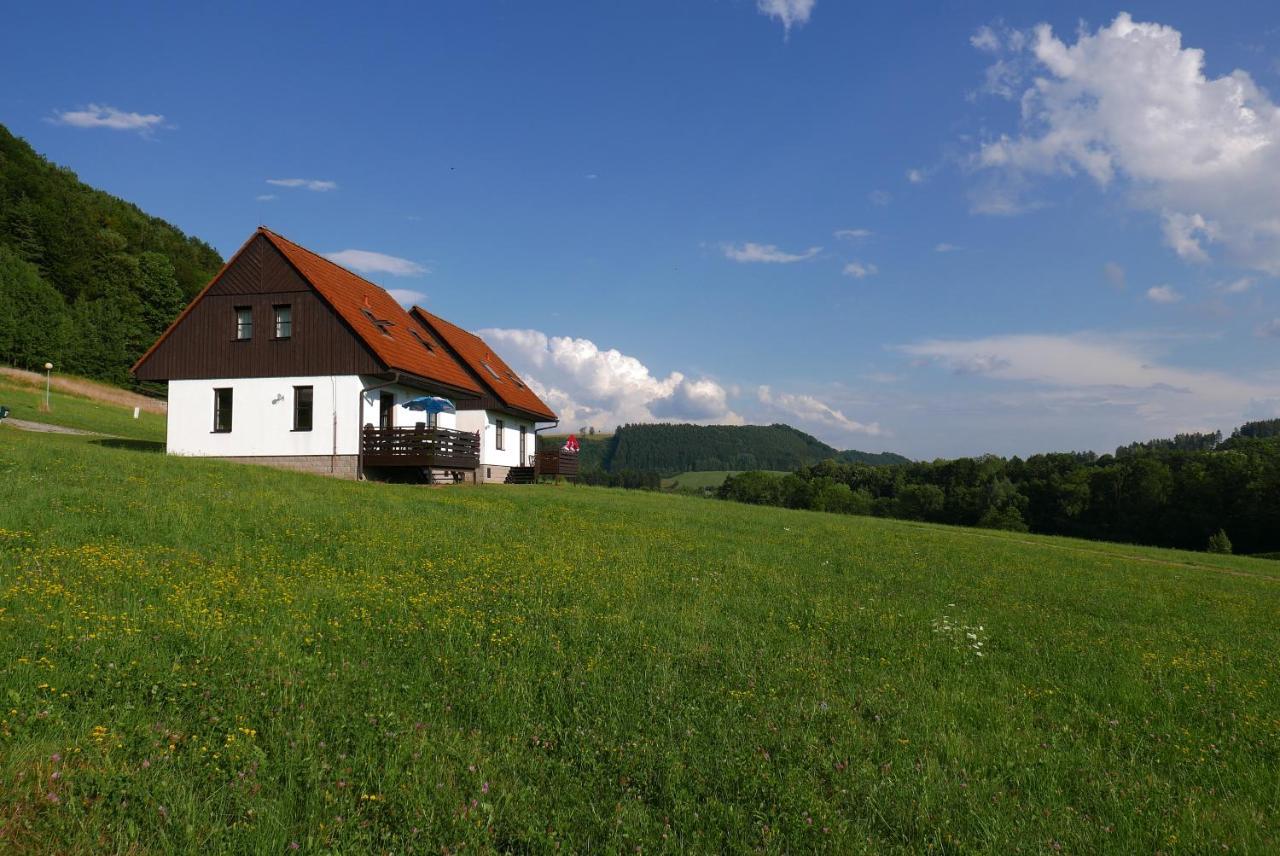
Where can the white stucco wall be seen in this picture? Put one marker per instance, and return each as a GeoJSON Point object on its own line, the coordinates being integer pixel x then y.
{"type": "Point", "coordinates": [262, 415]}
{"type": "Point", "coordinates": [485, 420]}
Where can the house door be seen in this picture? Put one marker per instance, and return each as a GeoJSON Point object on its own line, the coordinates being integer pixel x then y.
{"type": "Point", "coordinates": [524, 457]}
{"type": "Point", "coordinates": [386, 406]}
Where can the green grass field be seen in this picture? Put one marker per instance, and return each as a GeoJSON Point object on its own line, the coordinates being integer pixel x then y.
{"type": "Point", "coordinates": [73, 411]}
{"type": "Point", "coordinates": [204, 656]}
{"type": "Point", "coordinates": [700, 479]}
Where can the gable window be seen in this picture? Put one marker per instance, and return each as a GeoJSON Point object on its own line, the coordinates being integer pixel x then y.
{"type": "Point", "coordinates": [244, 323]}
{"type": "Point", "coordinates": [222, 411]}
{"type": "Point", "coordinates": [284, 321]}
{"type": "Point", "coordinates": [502, 426]}
{"type": "Point", "coordinates": [302, 407]}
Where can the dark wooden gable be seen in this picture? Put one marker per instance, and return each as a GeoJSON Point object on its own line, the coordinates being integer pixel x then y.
{"type": "Point", "coordinates": [202, 343]}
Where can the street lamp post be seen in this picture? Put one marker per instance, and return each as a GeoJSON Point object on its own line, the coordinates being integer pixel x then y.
{"type": "Point", "coordinates": [48, 373]}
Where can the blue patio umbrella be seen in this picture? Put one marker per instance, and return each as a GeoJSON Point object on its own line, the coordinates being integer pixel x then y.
{"type": "Point", "coordinates": [430, 404]}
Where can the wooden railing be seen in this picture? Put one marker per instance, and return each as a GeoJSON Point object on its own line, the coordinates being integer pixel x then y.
{"type": "Point", "coordinates": [420, 447]}
{"type": "Point", "coordinates": [556, 462]}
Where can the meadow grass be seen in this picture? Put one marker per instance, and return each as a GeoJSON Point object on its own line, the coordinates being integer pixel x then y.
{"type": "Point", "coordinates": [74, 411]}
{"type": "Point", "coordinates": [202, 655]}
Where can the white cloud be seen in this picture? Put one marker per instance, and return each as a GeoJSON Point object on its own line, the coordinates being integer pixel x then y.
{"type": "Point", "coordinates": [1122, 374]}
{"type": "Point", "coordinates": [792, 13]}
{"type": "Point", "coordinates": [767, 253]}
{"type": "Point", "coordinates": [985, 39]}
{"type": "Point", "coordinates": [880, 197]}
{"type": "Point", "coordinates": [266, 197]}
{"type": "Point", "coordinates": [860, 270]}
{"type": "Point", "coordinates": [1270, 330]}
{"type": "Point", "coordinates": [1183, 233]}
{"type": "Point", "coordinates": [307, 183]}
{"type": "Point", "coordinates": [944, 247]}
{"type": "Point", "coordinates": [916, 176]}
{"type": "Point", "coordinates": [1129, 106]}
{"type": "Point", "coordinates": [605, 387]}
{"type": "Point", "coordinates": [407, 297]}
{"type": "Point", "coordinates": [104, 116]}
{"type": "Point", "coordinates": [364, 261]}
{"type": "Point", "coordinates": [1115, 274]}
{"type": "Point", "coordinates": [852, 234]}
{"type": "Point", "coordinates": [1236, 286]}
{"type": "Point", "coordinates": [1163, 294]}
{"type": "Point", "coordinates": [807, 409]}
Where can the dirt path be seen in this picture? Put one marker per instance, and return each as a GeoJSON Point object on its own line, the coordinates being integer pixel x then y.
{"type": "Point", "coordinates": [88, 389]}
{"type": "Point", "coordinates": [46, 428]}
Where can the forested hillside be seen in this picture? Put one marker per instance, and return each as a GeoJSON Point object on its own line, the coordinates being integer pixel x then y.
{"type": "Point", "coordinates": [87, 280]}
{"type": "Point", "coordinates": [668, 449]}
{"type": "Point", "coordinates": [1180, 492]}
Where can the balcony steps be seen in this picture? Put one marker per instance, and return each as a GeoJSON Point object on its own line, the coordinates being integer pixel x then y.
{"type": "Point", "coordinates": [521, 475]}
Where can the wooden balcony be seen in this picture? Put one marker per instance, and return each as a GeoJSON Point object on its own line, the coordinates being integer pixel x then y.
{"type": "Point", "coordinates": [556, 462]}
{"type": "Point", "coordinates": [420, 447]}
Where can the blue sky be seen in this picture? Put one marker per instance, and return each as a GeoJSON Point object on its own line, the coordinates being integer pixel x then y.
{"type": "Point", "coordinates": [977, 228]}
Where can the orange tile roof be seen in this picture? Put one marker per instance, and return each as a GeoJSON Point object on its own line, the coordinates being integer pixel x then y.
{"type": "Point", "coordinates": [351, 296]}
{"type": "Point", "coordinates": [506, 386]}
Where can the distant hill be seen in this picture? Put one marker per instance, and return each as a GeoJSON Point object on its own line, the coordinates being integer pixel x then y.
{"type": "Point", "coordinates": [673, 449]}
{"type": "Point", "coordinates": [87, 280]}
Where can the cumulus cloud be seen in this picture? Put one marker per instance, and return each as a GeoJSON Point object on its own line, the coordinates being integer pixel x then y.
{"type": "Point", "coordinates": [916, 176]}
{"type": "Point", "coordinates": [852, 234]}
{"type": "Point", "coordinates": [1123, 374]}
{"type": "Point", "coordinates": [305, 183]}
{"type": "Point", "coordinates": [1163, 294]}
{"type": "Point", "coordinates": [1129, 106]}
{"type": "Point", "coordinates": [105, 116]}
{"type": "Point", "coordinates": [792, 13]}
{"type": "Point", "coordinates": [766, 253]}
{"type": "Point", "coordinates": [808, 409]}
{"type": "Point", "coordinates": [860, 270]}
{"type": "Point", "coordinates": [364, 261]}
{"type": "Point", "coordinates": [605, 387]}
{"type": "Point", "coordinates": [1115, 274]}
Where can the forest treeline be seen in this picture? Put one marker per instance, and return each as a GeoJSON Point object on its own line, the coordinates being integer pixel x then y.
{"type": "Point", "coordinates": [87, 280]}
{"type": "Point", "coordinates": [654, 450]}
{"type": "Point", "coordinates": [1172, 493]}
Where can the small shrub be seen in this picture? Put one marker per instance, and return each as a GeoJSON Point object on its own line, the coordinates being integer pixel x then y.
{"type": "Point", "coordinates": [1219, 542]}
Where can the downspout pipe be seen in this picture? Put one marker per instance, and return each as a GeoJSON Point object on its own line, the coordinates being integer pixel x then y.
{"type": "Point", "coordinates": [360, 425]}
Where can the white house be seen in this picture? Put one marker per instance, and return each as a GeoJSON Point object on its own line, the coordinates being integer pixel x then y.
{"type": "Point", "coordinates": [286, 358]}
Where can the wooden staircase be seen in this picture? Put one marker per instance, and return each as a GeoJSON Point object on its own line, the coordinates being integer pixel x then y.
{"type": "Point", "coordinates": [521, 475]}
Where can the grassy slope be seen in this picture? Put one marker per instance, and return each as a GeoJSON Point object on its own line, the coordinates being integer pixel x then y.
{"type": "Point", "coordinates": [77, 411]}
{"type": "Point", "coordinates": [701, 479]}
{"type": "Point", "coordinates": [226, 657]}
